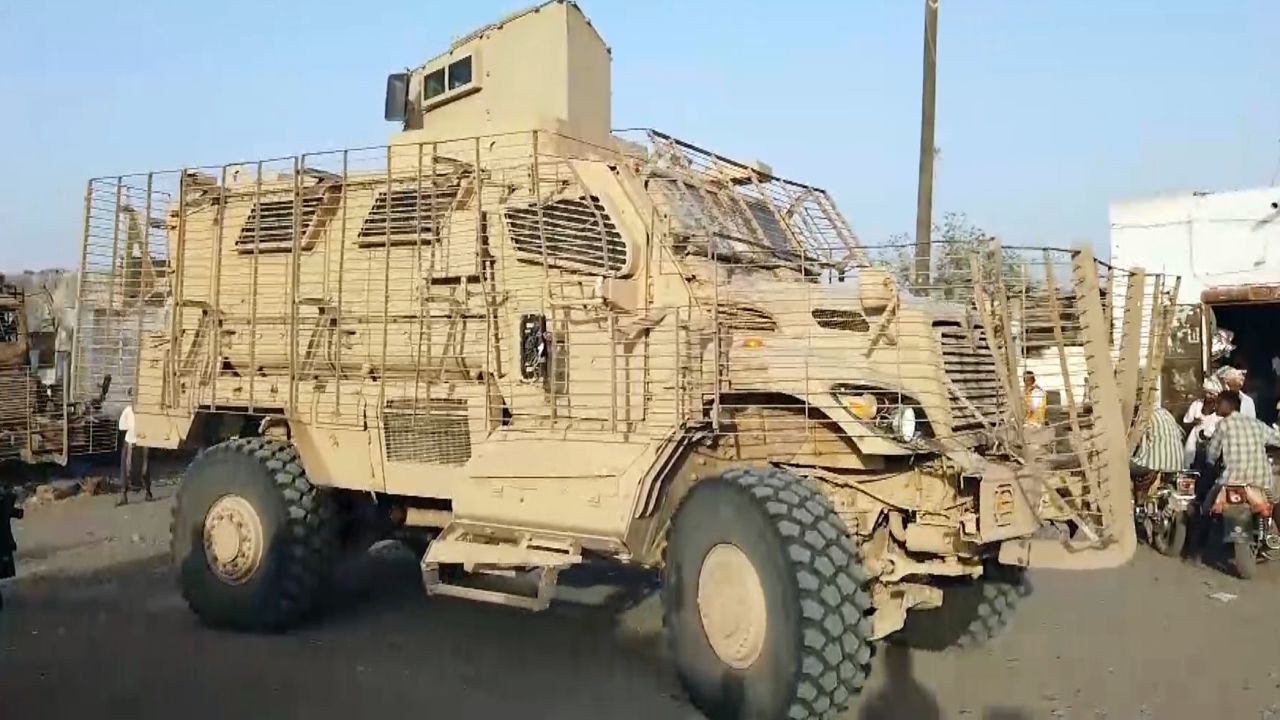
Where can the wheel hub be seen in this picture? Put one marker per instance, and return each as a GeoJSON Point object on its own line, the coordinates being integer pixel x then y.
{"type": "Point", "coordinates": [731, 605]}
{"type": "Point", "coordinates": [233, 539]}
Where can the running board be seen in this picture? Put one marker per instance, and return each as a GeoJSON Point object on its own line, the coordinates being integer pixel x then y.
{"type": "Point", "coordinates": [536, 603]}
{"type": "Point", "coordinates": [479, 552]}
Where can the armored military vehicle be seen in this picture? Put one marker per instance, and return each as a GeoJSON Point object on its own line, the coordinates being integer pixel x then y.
{"type": "Point", "coordinates": [39, 422]}
{"type": "Point", "coordinates": [539, 342]}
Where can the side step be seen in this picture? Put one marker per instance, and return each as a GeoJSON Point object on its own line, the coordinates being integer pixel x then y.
{"type": "Point", "coordinates": [541, 601]}
{"type": "Point", "coordinates": [482, 553]}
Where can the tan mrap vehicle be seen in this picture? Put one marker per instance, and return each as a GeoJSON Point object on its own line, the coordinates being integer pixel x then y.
{"type": "Point", "coordinates": [538, 343]}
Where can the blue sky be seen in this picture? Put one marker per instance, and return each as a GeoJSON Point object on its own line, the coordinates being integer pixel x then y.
{"type": "Point", "coordinates": [1046, 110]}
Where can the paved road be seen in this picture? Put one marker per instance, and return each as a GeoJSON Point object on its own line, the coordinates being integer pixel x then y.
{"type": "Point", "coordinates": [95, 628]}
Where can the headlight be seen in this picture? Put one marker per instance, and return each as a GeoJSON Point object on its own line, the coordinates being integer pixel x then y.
{"type": "Point", "coordinates": [903, 422]}
{"type": "Point", "coordinates": [862, 406]}
{"type": "Point", "coordinates": [890, 412]}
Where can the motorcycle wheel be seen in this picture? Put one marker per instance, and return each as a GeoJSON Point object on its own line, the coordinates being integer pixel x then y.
{"type": "Point", "coordinates": [1245, 559]}
{"type": "Point", "coordinates": [1171, 538]}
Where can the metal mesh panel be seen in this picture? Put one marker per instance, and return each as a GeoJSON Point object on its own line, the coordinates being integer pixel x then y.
{"type": "Point", "coordinates": [14, 409]}
{"type": "Point", "coordinates": [436, 434]}
{"type": "Point", "coordinates": [124, 287]}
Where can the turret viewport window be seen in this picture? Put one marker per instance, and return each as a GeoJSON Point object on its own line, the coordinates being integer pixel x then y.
{"type": "Point", "coordinates": [433, 84]}
{"type": "Point", "coordinates": [454, 76]}
{"type": "Point", "coordinates": [460, 73]}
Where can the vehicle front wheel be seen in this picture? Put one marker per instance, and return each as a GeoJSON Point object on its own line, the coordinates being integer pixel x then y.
{"type": "Point", "coordinates": [1171, 537]}
{"type": "Point", "coordinates": [252, 539]}
{"type": "Point", "coordinates": [764, 600]}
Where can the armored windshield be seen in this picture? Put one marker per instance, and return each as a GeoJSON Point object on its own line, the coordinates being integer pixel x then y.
{"type": "Point", "coordinates": [742, 214]}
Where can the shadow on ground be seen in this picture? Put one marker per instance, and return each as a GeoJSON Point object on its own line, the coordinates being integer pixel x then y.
{"type": "Point", "coordinates": [121, 643]}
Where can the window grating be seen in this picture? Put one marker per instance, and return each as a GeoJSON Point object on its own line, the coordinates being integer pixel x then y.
{"type": "Point", "coordinates": [408, 216]}
{"type": "Point", "coordinates": [578, 235]}
{"type": "Point", "coordinates": [270, 223]}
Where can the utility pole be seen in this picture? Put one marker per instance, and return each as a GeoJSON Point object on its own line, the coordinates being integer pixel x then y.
{"type": "Point", "coordinates": [924, 191]}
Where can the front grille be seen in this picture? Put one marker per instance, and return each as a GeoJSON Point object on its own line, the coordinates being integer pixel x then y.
{"type": "Point", "coordinates": [973, 387]}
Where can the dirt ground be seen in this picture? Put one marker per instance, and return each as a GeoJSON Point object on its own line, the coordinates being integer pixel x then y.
{"type": "Point", "coordinates": [94, 627]}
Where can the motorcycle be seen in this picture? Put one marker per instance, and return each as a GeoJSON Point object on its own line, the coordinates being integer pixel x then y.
{"type": "Point", "coordinates": [1248, 525]}
{"type": "Point", "coordinates": [1165, 510]}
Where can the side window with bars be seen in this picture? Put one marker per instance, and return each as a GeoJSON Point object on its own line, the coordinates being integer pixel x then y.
{"type": "Point", "coordinates": [573, 234]}
{"type": "Point", "coordinates": [406, 216]}
{"type": "Point", "coordinates": [270, 224]}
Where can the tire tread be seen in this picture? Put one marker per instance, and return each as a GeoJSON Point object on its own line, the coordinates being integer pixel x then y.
{"type": "Point", "coordinates": [834, 633]}
{"type": "Point", "coordinates": [309, 537]}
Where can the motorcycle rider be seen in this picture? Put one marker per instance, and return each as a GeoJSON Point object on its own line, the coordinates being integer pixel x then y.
{"type": "Point", "coordinates": [1160, 448]}
{"type": "Point", "coordinates": [1159, 452]}
{"type": "Point", "coordinates": [1240, 443]}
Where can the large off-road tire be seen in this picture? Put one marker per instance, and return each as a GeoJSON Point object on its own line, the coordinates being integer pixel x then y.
{"type": "Point", "coordinates": [764, 599]}
{"type": "Point", "coordinates": [1246, 560]}
{"type": "Point", "coordinates": [972, 612]}
{"type": "Point", "coordinates": [253, 540]}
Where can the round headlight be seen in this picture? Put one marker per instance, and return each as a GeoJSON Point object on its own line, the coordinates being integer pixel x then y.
{"type": "Point", "coordinates": [904, 423]}
{"type": "Point", "coordinates": [863, 407]}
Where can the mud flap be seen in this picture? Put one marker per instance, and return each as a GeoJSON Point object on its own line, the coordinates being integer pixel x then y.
{"type": "Point", "coordinates": [1237, 524]}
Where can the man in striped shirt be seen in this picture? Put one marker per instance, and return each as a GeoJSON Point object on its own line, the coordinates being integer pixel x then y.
{"type": "Point", "coordinates": [1160, 450]}
{"type": "Point", "coordinates": [1240, 442]}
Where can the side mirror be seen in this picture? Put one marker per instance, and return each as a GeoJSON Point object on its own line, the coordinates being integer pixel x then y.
{"type": "Point", "coordinates": [397, 102]}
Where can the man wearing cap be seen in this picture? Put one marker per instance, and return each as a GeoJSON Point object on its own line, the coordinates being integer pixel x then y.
{"type": "Point", "coordinates": [1202, 417]}
{"type": "Point", "coordinates": [1233, 379]}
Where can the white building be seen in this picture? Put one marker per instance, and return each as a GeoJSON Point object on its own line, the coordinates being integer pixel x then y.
{"type": "Point", "coordinates": [1222, 239]}
{"type": "Point", "coordinates": [1226, 248]}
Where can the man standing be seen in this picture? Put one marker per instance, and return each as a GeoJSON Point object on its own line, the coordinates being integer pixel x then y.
{"type": "Point", "coordinates": [1033, 399]}
{"type": "Point", "coordinates": [9, 511]}
{"type": "Point", "coordinates": [1233, 379]}
{"type": "Point", "coordinates": [1202, 416]}
{"type": "Point", "coordinates": [132, 459]}
{"type": "Point", "coordinates": [1240, 443]}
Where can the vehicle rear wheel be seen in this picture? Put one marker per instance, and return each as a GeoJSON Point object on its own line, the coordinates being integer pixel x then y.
{"type": "Point", "coordinates": [972, 613]}
{"type": "Point", "coordinates": [1245, 560]}
{"type": "Point", "coordinates": [252, 539]}
{"type": "Point", "coordinates": [764, 600]}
